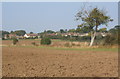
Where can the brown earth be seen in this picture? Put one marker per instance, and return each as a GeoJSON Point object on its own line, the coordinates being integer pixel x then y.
{"type": "Point", "coordinates": [43, 62]}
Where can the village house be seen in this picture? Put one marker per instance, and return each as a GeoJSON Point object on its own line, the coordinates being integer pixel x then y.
{"type": "Point", "coordinates": [84, 34]}
{"type": "Point", "coordinates": [6, 36]}
{"type": "Point", "coordinates": [103, 34]}
{"type": "Point", "coordinates": [30, 35]}
{"type": "Point", "coordinates": [10, 36]}
{"type": "Point", "coordinates": [69, 34]}
{"type": "Point", "coordinates": [20, 37]}
{"type": "Point", "coordinates": [74, 34]}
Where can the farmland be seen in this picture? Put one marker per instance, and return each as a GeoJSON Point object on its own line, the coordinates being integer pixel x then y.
{"type": "Point", "coordinates": [27, 60]}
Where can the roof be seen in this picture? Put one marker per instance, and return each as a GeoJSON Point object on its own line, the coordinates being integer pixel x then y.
{"type": "Point", "coordinates": [32, 34]}
{"type": "Point", "coordinates": [12, 35]}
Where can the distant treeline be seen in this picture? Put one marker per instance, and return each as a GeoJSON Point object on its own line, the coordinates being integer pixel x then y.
{"type": "Point", "coordinates": [114, 31]}
{"type": "Point", "coordinates": [77, 30]}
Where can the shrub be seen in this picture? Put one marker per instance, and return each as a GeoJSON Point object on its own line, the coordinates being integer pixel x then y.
{"type": "Point", "coordinates": [33, 43]}
{"type": "Point", "coordinates": [45, 41]}
{"type": "Point", "coordinates": [67, 44]}
{"type": "Point", "coordinates": [110, 40]}
{"type": "Point", "coordinates": [15, 40]}
{"type": "Point", "coordinates": [73, 44]}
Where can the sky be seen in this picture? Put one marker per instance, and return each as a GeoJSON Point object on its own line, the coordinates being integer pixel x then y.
{"type": "Point", "coordinates": [40, 16]}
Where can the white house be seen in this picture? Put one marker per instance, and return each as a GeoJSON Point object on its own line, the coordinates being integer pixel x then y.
{"type": "Point", "coordinates": [30, 35]}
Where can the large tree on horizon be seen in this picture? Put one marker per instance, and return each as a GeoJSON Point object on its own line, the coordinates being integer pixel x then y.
{"type": "Point", "coordinates": [92, 19]}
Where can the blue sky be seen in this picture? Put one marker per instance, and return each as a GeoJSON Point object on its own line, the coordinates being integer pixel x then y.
{"type": "Point", "coordinates": [40, 16]}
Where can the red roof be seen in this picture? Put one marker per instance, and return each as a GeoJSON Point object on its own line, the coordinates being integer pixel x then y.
{"type": "Point", "coordinates": [32, 34]}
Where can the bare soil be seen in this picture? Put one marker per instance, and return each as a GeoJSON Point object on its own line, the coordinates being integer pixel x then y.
{"type": "Point", "coordinates": [23, 61]}
{"type": "Point", "coordinates": [42, 62]}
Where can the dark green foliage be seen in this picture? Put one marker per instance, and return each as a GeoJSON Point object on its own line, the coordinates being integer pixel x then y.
{"type": "Point", "coordinates": [19, 32]}
{"type": "Point", "coordinates": [92, 20]}
{"type": "Point", "coordinates": [11, 32]}
{"type": "Point", "coordinates": [54, 37]}
{"type": "Point", "coordinates": [72, 30]}
{"type": "Point", "coordinates": [45, 41]}
{"type": "Point", "coordinates": [49, 31]}
{"type": "Point", "coordinates": [99, 37]}
{"type": "Point", "coordinates": [33, 43]}
{"type": "Point", "coordinates": [113, 37]}
{"type": "Point", "coordinates": [102, 30]}
{"type": "Point", "coordinates": [15, 40]}
{"type": "Point", "coordinates": [62, 31]}
{"type": "Point", "coordinates": [115, 34]}
{"type": "Point", "coordinates": [31, 32]}
{"type": "Point", "coordinates": [2, 34]}
{"type": "Point", "coordinates": [81, 29]}
{"type": "Point", "coordinates": [110, 40]}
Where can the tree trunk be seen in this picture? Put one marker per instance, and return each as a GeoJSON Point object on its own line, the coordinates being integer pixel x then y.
{"type": "Point", "coordinates": [93, 34]}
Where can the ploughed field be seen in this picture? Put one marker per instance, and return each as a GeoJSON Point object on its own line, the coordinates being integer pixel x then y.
{"type": "Point", "coordinates": [23, 61]}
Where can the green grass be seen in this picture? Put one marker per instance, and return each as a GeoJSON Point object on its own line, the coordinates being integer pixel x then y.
{"type": "Point", "coordinates": [67, 48]}
{"type": "Point", "coordinates": [63, 48]}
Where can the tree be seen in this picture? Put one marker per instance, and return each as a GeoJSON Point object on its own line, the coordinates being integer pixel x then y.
{"type": "Point", "coordinates": [19, 32]}
{"type": "Point", "coordinates": [92, 19]}
{"type": "Point", "coordinates": [45, 41]}
{"type": "Point", "coordinates": [117, 27]}
{"type": "Point", "coordinates": [115, 32]}
{"type": "Point", "coordinates": [3, 33]}
{"type": "Point", "coordinates": [31, 32]}
{"type": "Point", "coordinates": [84, 29]}
{"type": "Point", "coordinates": [49, 31]}
{"type": "Point", "coordinates": [72, 30]}
{"type": "Point", "coordinates": [62, 31]}
{"type": "Point", "coordinates": [103, 30]}
{"type": "Point", "coordinates": [15, 40]}
{"type": "Point", "coordinates": [11, 32]}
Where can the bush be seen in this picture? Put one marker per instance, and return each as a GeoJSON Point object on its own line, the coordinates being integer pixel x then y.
{"type": "Point", "coordinates": [33, 43]}
{"type": "Point", "coordinates": [15, 40]}
{"type": "Point", "coordinates": [67, 44]}
{"type": "Point", "coordinates": [73, 44]}
{"type": "Point", "coordinates": [45, 41]}
{"type": "Point", "coordinates": [110, 40]}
